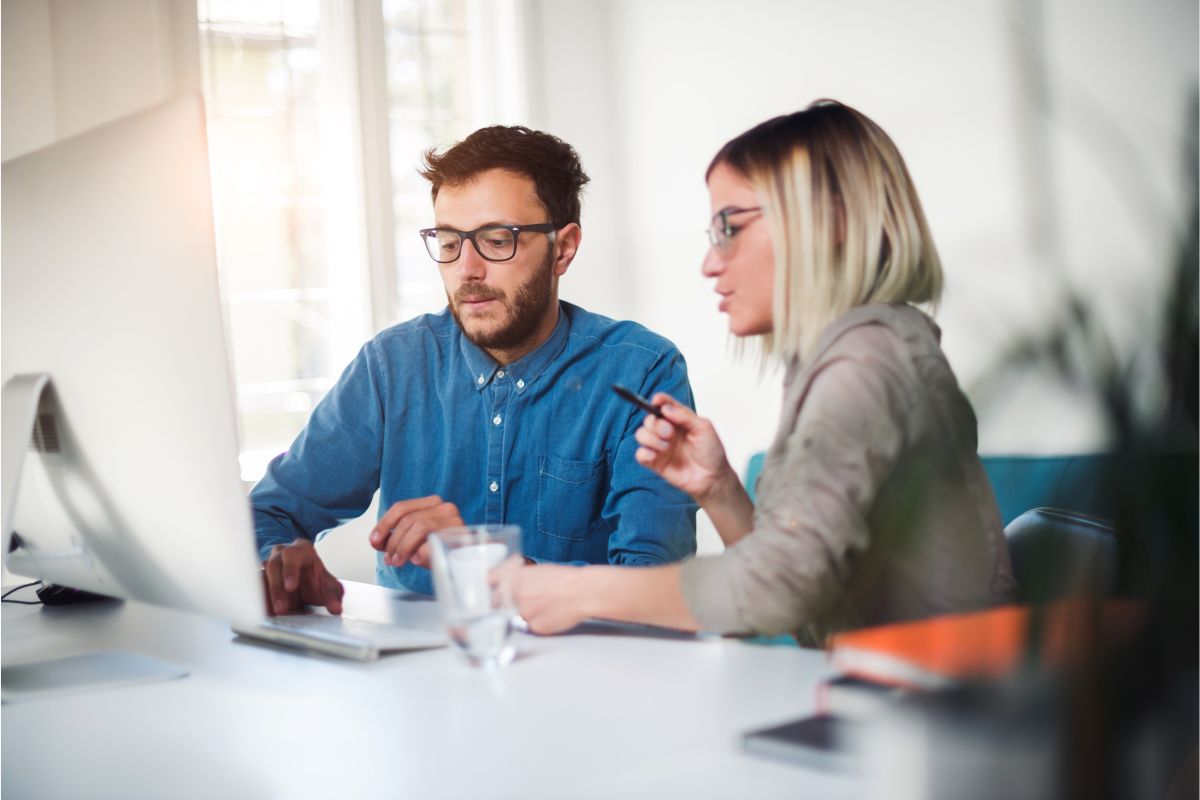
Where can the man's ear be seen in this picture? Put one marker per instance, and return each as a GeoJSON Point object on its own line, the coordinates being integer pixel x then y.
{"type": "Point", "coordinates": [566, 244]}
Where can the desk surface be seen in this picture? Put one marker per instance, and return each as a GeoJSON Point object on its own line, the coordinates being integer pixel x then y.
{"type": "Point", "coordinates": [582, 715]}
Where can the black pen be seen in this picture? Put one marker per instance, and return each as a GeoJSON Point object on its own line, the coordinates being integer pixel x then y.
{"type": "Point", "coordinates": [638, 400]}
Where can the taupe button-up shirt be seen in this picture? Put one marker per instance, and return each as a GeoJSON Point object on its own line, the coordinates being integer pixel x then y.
{"type": "Point", "coordinates": [873, 506]}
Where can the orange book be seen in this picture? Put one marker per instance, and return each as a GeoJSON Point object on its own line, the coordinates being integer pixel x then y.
{"type": "Point", "coordinates": [935, 652]}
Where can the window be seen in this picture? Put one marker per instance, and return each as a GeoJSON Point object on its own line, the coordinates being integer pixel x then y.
{"type": "Point", "coordinates": [427, 104]}
{"type": "Point", "coordinates": [318, 113]}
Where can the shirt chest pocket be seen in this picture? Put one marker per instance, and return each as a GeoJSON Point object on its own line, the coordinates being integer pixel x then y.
{"type": "Point", "coordinates": [570, 496]}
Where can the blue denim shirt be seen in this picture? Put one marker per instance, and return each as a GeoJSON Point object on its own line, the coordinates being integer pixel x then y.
{"type": "Point", "coordinates": [543, 443]}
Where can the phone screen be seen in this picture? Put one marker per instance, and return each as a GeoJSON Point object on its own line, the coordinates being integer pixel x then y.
{"type": "Point", "coordinates": [817, 741]}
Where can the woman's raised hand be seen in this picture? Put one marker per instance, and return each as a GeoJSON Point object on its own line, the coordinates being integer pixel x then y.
{"type": "Point", "coordinates": [683, 448]}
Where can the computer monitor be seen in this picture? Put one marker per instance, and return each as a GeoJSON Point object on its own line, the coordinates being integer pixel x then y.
{"type": "Point", "coordinates": [130, 485]}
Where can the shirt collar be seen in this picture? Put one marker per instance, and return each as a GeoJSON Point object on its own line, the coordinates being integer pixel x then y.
{"type": "Point", "coordinates": [525, 370]}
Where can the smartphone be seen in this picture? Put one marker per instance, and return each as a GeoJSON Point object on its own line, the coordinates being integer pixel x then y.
{"type": "Point", "coordinates": [637, 400]}
{"type": "Point", "coordinates": [818, 741]}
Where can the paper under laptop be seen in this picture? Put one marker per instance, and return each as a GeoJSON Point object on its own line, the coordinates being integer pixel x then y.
{"type": "Point", "coordinates": [375, 620]}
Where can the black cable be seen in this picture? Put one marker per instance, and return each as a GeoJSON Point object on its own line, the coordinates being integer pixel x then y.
{"type": "Point", "coordinates": [4, 597]}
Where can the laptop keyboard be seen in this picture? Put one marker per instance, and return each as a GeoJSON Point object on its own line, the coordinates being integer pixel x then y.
{"type": "Point", "coordinates": [349, 629]}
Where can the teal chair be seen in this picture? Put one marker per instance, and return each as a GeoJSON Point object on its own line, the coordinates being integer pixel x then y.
{"type": "Point", "coordinates": [753, 469]}
{"type": "Point", "coordinates": [1082, 483]}
{"type": "Point", "coordinates": [1075, 521]}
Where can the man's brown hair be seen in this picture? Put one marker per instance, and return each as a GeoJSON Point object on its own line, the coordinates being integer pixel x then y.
{"type": "Point", "coordinates": [552, 165]}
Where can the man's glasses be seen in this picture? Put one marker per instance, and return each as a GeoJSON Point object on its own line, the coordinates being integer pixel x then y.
{"type": "Point", "coordinates": [721, 230]}
{"type": "Point", "coordinates": [493, 242]}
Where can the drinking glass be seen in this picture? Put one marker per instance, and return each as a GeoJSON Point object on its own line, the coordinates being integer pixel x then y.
{"type": "Point", "coordinates": [473, 572]}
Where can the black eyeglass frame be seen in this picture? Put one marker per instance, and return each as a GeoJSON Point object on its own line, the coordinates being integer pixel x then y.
{"type": "Point", "coordinates": [722, 242]}
{"type": "Point", "coordinates": [537, 227]}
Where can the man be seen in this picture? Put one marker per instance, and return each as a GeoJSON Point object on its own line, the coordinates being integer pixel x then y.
{"type": "Point", "coordinates": [497, 409]}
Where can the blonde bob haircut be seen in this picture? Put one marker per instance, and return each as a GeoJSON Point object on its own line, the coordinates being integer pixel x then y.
{"type": "Point", "coordinates": [846, 223]}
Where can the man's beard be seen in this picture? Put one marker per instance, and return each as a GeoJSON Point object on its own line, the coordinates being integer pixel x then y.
{"type": "Point", "coordinates": [524, 313]}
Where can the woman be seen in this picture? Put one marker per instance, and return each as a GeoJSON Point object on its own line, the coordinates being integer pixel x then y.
{"type": "Point", "coordinates": [873, 505]}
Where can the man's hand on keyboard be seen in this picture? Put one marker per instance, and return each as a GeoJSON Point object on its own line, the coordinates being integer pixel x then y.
{"type": "Point", "coordinates": [294, 577]}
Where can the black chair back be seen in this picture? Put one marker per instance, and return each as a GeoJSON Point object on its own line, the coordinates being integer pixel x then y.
{"type": "Point", "coordinates": [1058, 553]}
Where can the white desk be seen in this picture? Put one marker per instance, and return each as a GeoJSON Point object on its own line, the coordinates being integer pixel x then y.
{"type": "Point", "coordinates": [576, 716]}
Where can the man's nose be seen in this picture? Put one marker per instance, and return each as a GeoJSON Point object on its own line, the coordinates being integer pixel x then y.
{"type": "Point", "coordinates": [471, 266]}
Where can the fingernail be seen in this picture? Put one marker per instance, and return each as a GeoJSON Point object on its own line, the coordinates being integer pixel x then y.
{"type": "Point", "coordinates": [280, 607]}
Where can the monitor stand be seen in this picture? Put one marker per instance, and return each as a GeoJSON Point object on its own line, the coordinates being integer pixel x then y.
{"type": "Point", "coordinates": [40, 680]}
{"type": "Point", "coordinates": [22, 397]}
{"type": "Point", "coordinates": [28, 422]}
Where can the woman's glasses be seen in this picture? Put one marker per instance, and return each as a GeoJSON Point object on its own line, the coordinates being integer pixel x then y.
{"type": "Point", "coordinates": [721, 229]}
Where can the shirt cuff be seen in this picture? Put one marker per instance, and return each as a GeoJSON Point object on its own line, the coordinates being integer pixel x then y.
{"type": "Point", "coordinates": [708, 591]}
{"type": "Point", "coordinates": [266, 546]}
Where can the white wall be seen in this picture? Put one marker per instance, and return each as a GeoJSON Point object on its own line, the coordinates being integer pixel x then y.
{"type": "Point", "coordinates": [70, 65]}
{"type": "Point", "coordinates": [649, 89]}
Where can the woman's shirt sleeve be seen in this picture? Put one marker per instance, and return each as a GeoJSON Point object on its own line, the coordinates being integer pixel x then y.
{"type": "Point", "coordinates": [846, 432]}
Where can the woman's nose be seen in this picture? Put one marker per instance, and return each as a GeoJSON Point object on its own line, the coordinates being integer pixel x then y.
{"type": "Point", "coordinates": [713, 265]}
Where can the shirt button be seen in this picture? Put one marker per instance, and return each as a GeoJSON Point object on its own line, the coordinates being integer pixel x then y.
{"type": "Point", "coordinates": [520, 384]}
{"type": "Point", "coordinates": [495, 487]}
{"type": "Point", "coordinates": [496, 420]}
{"type": "Point", "coordinates": [500, 374]}
{"type": "Point", "coordinates": [479, 380]}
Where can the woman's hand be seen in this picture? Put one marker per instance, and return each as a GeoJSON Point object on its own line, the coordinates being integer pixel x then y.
{"type": "Point", "coordinates": [550, 597]}
{"type": "Point", "coordinates": [684, 449]}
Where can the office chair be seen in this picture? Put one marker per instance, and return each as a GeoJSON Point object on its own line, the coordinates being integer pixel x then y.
{"type": "Point", "coordinates": [1057, 553]}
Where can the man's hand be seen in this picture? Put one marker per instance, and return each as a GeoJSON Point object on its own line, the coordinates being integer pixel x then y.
{"type": "Point", "coordinates": [294, 576]}
{"type": "Point", "coordinates": [401, 532]}
{"type": "Point", "coordinates": [550, 597]}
